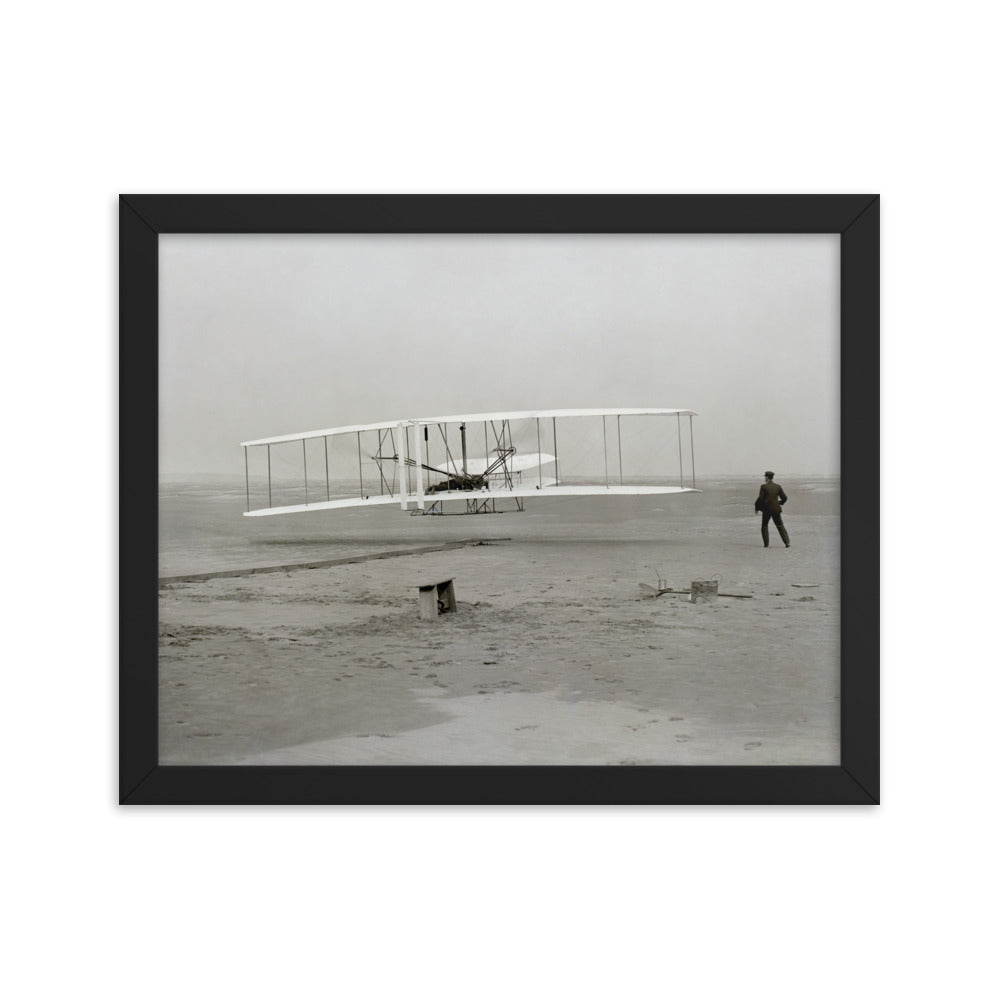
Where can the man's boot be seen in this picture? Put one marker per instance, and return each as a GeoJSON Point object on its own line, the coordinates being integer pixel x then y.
{"type": "Point", "coordinates": [784, 535]}
{"type": "Point", "coordinates": [763, 534]}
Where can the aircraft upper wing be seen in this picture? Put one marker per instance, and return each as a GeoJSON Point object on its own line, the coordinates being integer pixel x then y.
{"type": "Point", "coordinates": [465, 418]}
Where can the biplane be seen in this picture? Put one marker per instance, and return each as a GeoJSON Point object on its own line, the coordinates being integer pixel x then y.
{"type": "Point", "coordinates": [483, 462]}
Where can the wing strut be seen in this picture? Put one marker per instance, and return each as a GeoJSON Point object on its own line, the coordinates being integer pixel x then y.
{"type": "Point", "coordinates": [379, 458]}
{"type": "Point", "coordinates": [621, 477]}
{"type": "Point", "coordinates": [680, 450]}
{"type": "Point", "coordinates": [691, 427]}
{"type": "Point", "coordinates": [326, 459]}
{"type": "Point", "coordinates": [555, 449]}
{"type": "Point", "coordinates": [538, 433]}
{"type": "Point", "coordinates": [604, 428]}
{"type": "Point", "coordinates": [448, 457]}
{"type": "Point", "coordinates": [305, 470]}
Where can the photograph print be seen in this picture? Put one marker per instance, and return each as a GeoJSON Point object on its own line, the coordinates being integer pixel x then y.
{"type": "Point", "coordinates": [542, 500]}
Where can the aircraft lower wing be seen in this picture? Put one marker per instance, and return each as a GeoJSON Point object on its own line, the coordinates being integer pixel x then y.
{"type": "Point", "coordinates": [339, 504]}
{"type": "Point", "coordinates": [456, 496]}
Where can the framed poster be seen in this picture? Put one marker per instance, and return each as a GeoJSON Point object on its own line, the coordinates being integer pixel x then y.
{"type": "Point", "coordinates": [606, 618]}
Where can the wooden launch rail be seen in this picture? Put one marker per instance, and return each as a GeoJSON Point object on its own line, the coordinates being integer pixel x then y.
{"type": "Point", "coordinates": [165, 581]}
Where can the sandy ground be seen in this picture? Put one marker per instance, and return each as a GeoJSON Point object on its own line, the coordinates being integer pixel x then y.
{"type": "Point", "coordinates": [555, 655]}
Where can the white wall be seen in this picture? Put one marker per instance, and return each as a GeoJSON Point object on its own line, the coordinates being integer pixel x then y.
{"type": "Point", "coordinates": [631, 97]}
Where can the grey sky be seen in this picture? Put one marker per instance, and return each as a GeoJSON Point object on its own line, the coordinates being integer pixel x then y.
{"type": "Point", "coordinates": [264, 335]}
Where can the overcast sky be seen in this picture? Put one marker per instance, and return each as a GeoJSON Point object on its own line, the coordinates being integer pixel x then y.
{"type": "Point", "coordinates": [266, 335]}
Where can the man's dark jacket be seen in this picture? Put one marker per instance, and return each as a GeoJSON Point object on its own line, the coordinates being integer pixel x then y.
{"type": "Point", "coordinates": [770, 498]}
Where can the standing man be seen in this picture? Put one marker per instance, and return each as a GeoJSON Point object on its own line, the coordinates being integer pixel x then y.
{"type": "Point", "coordinates": [769, 502]}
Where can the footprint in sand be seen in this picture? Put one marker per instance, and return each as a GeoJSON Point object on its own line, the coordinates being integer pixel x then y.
{"type": "Point", "coordinates": [682, 737]}
{"type": "Point", "coordinates": [751, 746]}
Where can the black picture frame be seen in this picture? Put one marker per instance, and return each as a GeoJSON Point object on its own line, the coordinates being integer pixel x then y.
{"type": "Point", "coordinates": [143, 217]}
